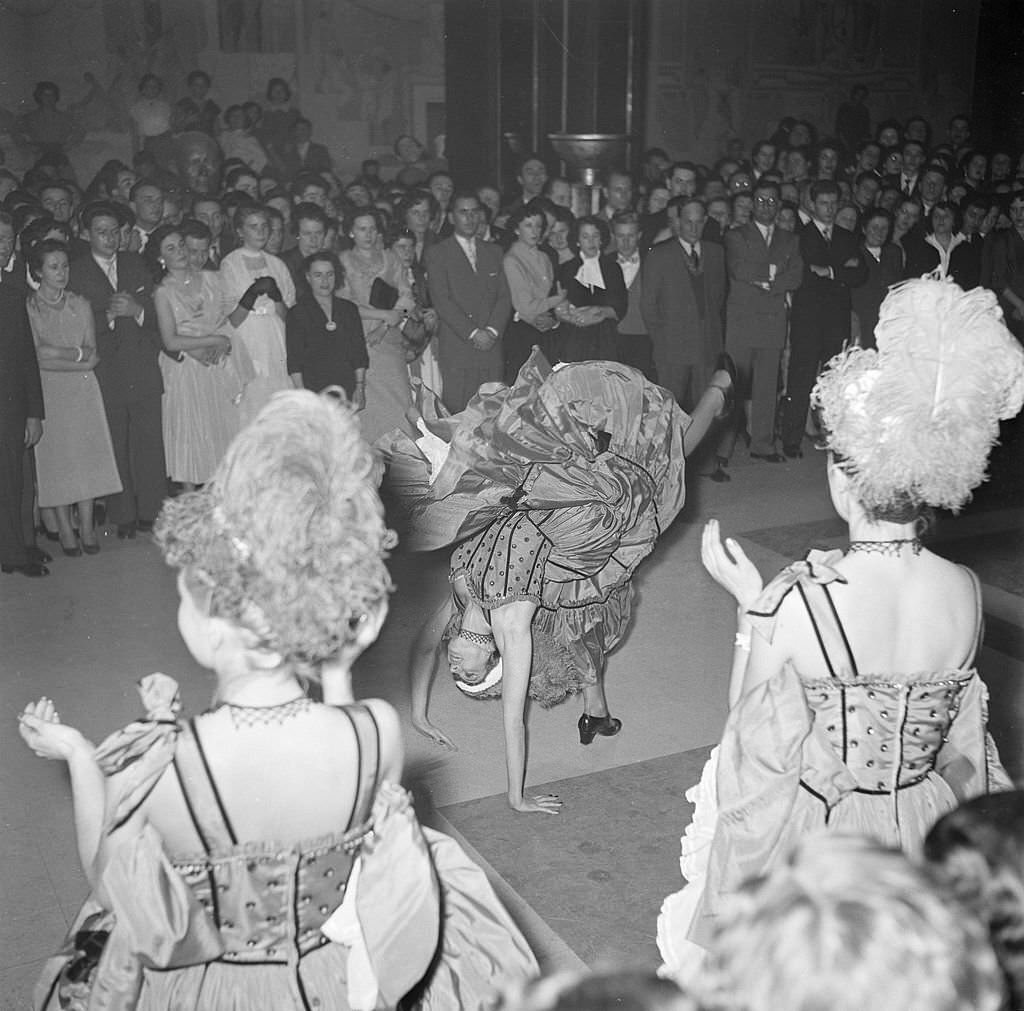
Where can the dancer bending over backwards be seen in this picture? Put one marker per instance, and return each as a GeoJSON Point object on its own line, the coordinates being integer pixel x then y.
{"type": "Point", "coordinates": [555, 489]}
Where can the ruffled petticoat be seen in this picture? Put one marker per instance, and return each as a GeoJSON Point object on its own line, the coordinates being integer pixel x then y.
{"type": "Point", "coordinates": [682, 958]}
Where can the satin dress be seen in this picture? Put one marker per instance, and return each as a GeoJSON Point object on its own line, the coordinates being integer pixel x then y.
{"type": "Point", "coordinates": [265, 925]}
{"type": "Point", "coordinates": [554, 489]}
{"type": "Point", "coordinates": [864, 752]}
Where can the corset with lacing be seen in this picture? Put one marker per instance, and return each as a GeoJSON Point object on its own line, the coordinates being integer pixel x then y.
{"type": "Point", "coordinates": [888, 734]}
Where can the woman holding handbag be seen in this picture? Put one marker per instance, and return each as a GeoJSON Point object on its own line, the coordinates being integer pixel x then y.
{"type": "Point", "coordinates": [378, 284]}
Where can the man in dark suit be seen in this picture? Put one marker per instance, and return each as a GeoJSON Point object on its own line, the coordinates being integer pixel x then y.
{"type": "Point", "coordinates": [966, 260]}
{"type": "Point", "coordinates": [301, 154]}
{"type": "Point", "coordinates": [683, 301]}
{"type": "Point", "coordinates": [468, 289]}
{"type": "Point", "coordinates": [21, 416]}
{"type": "Point", "coordinates": [119, 288]}
{"type": "Point", "coordinates": [820, 320]}
{"type": "Point", "coordinates": [634, 344]}
{"type": "Point", "coordinates": [764, 264]}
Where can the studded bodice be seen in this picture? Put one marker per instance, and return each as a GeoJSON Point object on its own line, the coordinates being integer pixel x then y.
{"type": "Point", "coordinates": [267, 901]}
{"type": "Point", "coordinates": [887, 733]}
{"type": "Point", "coordinates": [270, 905]}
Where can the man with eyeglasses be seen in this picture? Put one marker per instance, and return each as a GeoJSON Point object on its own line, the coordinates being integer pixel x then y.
{"type": "Point", "coordinates": [764, 265]}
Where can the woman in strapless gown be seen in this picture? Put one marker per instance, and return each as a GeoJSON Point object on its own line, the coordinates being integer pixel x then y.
{"type": "Point", "coordinates": [855, 703]}
{"type": "Point", "coordinates": [262, 854]}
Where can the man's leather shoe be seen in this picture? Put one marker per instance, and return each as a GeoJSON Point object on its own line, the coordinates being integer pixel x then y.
{"type": "Point", "coordinates": [32, 569]}
{"type": "Point", "coordinates": [793, 452]}
{"type": "Point", "coordinates": [126, 531]}
{"type": "Point", "coordinates": [768, 457]}
{"type": "Point", "coordinates": [38, 555]}
{"type": "Point", "coordinates": [144, 526]}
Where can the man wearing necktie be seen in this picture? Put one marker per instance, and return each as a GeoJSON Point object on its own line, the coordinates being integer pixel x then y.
{"type": "Point", "coordinates": [683, 300]}
{"type": "Point", "coordinates": [634, 343]}
{"type": "Point", "coordinates": [913, 159]}
{"type": "Point", "coordinates": [820, 319]}
{"type": "Point", "coordinates": [469, 290]}
{"type": "Point", "coordinates": [119, 288]}
{"type": "Point", "coordinates": [764, 265]}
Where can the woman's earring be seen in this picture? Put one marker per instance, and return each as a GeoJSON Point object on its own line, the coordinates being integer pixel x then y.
{"type": "Point", "coordinates": [162, 262]}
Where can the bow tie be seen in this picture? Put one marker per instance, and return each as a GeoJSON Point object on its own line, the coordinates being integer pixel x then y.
{"type": "Point", "coordinates": [635, 258]}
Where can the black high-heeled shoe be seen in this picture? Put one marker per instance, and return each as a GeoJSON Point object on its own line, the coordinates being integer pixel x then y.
{"type": "Point", "coordinates": [591, 726]}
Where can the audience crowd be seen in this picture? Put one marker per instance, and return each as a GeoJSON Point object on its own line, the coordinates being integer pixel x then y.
{"type": "Point", "coordinates": [149, 314]}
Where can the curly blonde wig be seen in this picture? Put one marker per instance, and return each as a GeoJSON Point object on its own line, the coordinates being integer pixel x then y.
{"type": "Point", "coordinates": [915, 420]}
{"type": "Point", "coordinates": [289, 535]}
{"type": "Point", "coordinates": [846, 924]}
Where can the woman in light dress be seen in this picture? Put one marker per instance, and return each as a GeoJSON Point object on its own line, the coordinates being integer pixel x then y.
{"type": "Point", "coordinates": [855, 702]}
{"type": "Point", "coordinates": [388, 391]}
{"type": "Point", "coordinates": [203, 378]}
{"type": "Point", "coordinates": [261, 854]}
{"type": "Point", "coordinates": [258, 291]}
{"type": "Point", "coordinates": [74, 458]}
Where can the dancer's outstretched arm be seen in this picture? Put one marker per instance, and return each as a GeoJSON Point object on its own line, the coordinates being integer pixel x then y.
{"type": "Point", "coordinates": [755, 660]}
{"type": "Point", "coordinates": [43, 732]}
{"type": "Point", "coordinates": [511, 624]}
{"type": "Point", "coordinates": [423, 668]}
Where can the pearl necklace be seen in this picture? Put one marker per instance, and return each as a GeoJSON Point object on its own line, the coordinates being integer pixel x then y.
{"type": "Point", "coordinates": [42, 298]}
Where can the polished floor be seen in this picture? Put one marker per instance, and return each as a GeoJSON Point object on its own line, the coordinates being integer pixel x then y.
{"type": "Point", "coordinates": [585, 885]}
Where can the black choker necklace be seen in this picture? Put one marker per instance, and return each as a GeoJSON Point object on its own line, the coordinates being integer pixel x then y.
{"type": "Point", "coordinates": [886, 547]}
{"type": "Point", "coordinates": [253, 716]}
{"type": "Point", "coordinates": [479, 638]}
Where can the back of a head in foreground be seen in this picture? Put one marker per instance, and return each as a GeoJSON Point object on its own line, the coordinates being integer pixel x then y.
{"type": "Point", "coordinates": [288, 537]}
{"type": "Point", "coordinates": [611, 990]}
{"type": "Point", "coordinates": [978, 849]}
{"type": "Point", "coordinates": [846, 925]}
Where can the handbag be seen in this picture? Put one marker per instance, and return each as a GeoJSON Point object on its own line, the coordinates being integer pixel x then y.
{"type": "Point", "coordinates": [382, 294]}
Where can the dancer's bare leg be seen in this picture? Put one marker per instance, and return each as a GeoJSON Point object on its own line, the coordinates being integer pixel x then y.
{"type": "Point", "coordinates": [595, 703]}
{"type": "Point", "coordinates": [708, 408]}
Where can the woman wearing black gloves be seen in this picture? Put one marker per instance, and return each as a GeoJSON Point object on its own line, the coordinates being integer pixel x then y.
{"type": "Point", "coordinates": [258, 291]}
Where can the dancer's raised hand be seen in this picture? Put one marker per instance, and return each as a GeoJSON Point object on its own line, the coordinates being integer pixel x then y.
{"type": "Point", "coordinates": [40, 728]}
{"type": "Point", "coordinates": [728, 565]}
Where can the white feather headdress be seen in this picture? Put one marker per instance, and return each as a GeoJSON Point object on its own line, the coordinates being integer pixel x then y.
{"type": "Point", "coordinates": [917, 418]}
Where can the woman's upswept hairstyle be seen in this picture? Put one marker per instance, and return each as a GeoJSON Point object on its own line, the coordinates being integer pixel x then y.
{"type": "Point", "coordinates": [288, 537]}
{"type": "Point", "coordinates": [915, 420]}
{"type": "Point", "coordinates": [845, 924]}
